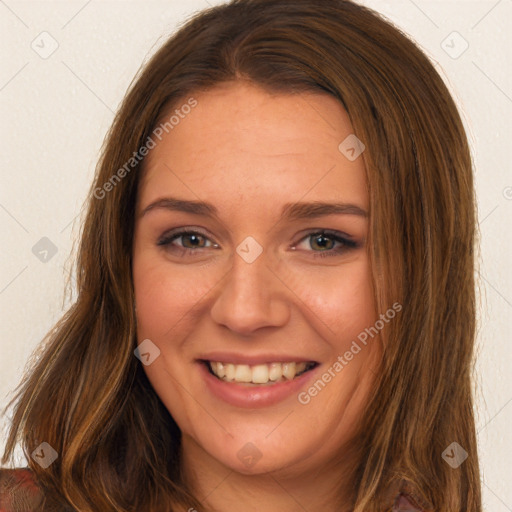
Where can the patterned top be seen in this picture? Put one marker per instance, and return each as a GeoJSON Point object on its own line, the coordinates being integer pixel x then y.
{"type": "Point", "coordinates": [19, 492]}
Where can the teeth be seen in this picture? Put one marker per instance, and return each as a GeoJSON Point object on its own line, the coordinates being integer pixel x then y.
{"type": "Point", "coordinates": [300, 367]}
{"type": "Point", "coordinates": [221, 370]}
{"type": "Point", "coordinates": [289, 370]}
{"type": "Point", "coordinates": [260, 373]}
{"type": "Point", "coordinates": [275, 372]}
{"type": "Point", "coordinates": [230, 371]}
{"type": "Point", "coordinates": [243, 373]}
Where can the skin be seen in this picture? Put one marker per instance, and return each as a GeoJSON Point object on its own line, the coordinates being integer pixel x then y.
{"type": "Point", "coordinates": [248, 153]}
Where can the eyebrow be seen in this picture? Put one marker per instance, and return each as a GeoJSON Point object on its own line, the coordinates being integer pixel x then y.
{"type": "Point", "coordinates": [290, 211]}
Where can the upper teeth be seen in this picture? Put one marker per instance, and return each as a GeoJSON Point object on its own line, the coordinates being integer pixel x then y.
{"type": "Point", "coordinates": [260, 373]}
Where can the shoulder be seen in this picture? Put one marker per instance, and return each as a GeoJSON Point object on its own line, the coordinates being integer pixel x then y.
{"type": "Point", "coordinates": [19, 491]}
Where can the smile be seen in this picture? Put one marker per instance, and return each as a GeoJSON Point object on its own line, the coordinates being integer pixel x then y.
{"type": "Point", "coordinates": [260, 374]}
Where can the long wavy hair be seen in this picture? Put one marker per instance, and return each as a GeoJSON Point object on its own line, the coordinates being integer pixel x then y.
{"type": "Point", "coordinates": [88, 396]}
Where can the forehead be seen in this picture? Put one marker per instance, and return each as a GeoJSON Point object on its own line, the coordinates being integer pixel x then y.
{"type": "Point", "coordinates": [241, 141]}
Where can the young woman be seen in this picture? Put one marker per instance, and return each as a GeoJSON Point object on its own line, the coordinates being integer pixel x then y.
{"type": "Point", "coordinates": [276, 305]}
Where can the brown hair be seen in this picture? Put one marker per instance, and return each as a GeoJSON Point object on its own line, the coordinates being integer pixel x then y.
{"type": "Point", "coordinates": [87, 395]}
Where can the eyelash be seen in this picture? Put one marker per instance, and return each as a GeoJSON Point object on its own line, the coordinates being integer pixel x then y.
{"type": "Point", "coordinates": [336, 236]}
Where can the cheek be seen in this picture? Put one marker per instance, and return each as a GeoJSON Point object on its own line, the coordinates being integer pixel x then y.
{"type": "Point", "coordinates": [354, 302]}
{"type": "Point", "coordinates": [165, 294]}
{"type": "Point", "coordinates": [340, 298]}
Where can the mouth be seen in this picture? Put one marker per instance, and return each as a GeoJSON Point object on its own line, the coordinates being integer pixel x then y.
{"type": "Point", "coordinates": [267, 374]}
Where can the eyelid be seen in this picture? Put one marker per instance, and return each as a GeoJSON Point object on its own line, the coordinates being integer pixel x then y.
{"type": "Point", "coordinates": [169, 236]}
{"type": "Point", "coordinates": [329, 232]}
{"type": "Point", "coordinates": [347, 242]}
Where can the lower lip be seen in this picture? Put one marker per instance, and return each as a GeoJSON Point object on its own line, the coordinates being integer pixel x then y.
{"type": "Point", "coordinates": [253, 396]}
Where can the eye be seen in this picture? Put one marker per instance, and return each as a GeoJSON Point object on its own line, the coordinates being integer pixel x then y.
{"type": "Point", "coordinates": [191, 241]}
{"type": "Point", "coordinates": [325, 241]}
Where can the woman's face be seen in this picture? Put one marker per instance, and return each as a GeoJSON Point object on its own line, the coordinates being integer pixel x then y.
{"type": "Point", "coordinates": [256, 286]}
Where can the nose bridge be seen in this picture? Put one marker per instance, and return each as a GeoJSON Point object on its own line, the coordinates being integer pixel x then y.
{"type": "Point", "coordinates": [250, 273]}
{"type": "Point", "coordinates": [250, 296]}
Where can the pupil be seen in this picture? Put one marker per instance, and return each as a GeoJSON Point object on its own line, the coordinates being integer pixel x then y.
{"type": "Point", "coordinates": [195, 239]}
{"type": "Point", "coordinates": [324, 239]}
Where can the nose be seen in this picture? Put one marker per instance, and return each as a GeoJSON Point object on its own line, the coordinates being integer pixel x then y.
{"type": "Point", "coordinates": [251, 297]}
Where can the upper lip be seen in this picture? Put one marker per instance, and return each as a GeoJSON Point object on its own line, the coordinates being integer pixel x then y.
{"type": "Point", "coordinates": [251, 360]}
